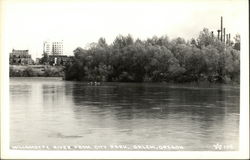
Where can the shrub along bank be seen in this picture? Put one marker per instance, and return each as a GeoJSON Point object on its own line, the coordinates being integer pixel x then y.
{"type": "Point", "coordinates": [36, 71]}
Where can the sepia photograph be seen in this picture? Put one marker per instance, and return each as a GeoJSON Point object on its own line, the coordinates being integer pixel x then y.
{"type": "Point", "coordinates": [124, 79]}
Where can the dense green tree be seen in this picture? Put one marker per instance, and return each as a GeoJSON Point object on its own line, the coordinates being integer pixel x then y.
{"type": "Point", "coordinates": [156, 60]}
{"type": "Point", "coordinates": [237, 42]}
{"type": "Point", "coordinates": [45, 58]}
{"type": "Point", "coordinates": [205, 39]}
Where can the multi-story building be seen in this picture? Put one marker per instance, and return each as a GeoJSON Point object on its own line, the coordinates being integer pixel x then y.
{"type": "Point", "coordinates": [47, 47]}
{"type": "Point", "coordinates": [53, 48]}
{"type": "Point", "coordinates": [20, 57]}
{"type": "Point", "coordinates": [57, 48]}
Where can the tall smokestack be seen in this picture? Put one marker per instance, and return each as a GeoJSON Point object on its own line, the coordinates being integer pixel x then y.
{"type": "Point", "coordinates": [221, 27]}
{"type": "Point", "coordinates": [227, 42]}
{"type": "Point", "coordinates": [218, 34]}
{"type": "Point", "coordinates": [229, 38]}
{"type": "Point", "coordinates": [224, 35]}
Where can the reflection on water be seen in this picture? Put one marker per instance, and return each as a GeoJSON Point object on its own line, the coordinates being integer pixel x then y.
{"type": "Point", "coordinates": [55, 112]}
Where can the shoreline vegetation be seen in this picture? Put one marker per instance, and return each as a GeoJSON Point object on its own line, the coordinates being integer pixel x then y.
{"type": "Point", "coordinates": [36, 71]}
{"type": "Point", "coordinates": [158, 59]}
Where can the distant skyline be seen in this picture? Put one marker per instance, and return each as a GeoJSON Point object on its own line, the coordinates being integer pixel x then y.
{"type": "Point", "coordinates": [27, 24]}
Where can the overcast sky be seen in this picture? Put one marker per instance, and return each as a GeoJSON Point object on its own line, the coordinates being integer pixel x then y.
{"type": "Point", "coordinates": [28, 23]}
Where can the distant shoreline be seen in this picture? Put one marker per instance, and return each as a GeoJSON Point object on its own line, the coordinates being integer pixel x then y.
{"type": "Point", "coordinates": [36, 71]}
{"type": "Point", "coordinates": [184, 84]}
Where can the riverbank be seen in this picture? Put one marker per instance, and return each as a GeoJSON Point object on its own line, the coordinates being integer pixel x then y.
{"type": "Point", "coordinates": [59, 71]}
{"type": "Point", "coordinates": [36, 71]}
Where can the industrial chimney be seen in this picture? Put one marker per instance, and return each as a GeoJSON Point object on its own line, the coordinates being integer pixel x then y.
{"type": "Point", "coordinates": [224, 35]}
{"type": "Point", "coordinates": [218, 34]}
{"type": "Point", "coordinates": [221, 27]}
{"type": "Point", "coordinates": [229, 39]}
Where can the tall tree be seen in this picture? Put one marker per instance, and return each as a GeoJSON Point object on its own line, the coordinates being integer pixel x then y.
{"type": "Point", "coordinates": [237, 42]}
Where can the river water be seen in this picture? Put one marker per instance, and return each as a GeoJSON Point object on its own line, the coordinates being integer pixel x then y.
{"type": "Point", "coordinates": [52, 112]}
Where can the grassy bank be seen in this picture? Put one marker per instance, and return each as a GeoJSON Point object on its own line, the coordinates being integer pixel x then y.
{"type": "Point", "coordinates": [36, 71]}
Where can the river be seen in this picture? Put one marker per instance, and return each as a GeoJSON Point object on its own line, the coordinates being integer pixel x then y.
{"type": "Point", "coordinates": [53, 112]}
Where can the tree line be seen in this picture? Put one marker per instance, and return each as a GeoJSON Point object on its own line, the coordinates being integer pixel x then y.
{"type": "Point", "coordinates": [157, 59]}
{"type": "Point", "coordinates": [28, 71]}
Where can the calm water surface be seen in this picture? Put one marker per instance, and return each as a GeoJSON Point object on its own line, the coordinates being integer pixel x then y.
{"type": "Point", "coordinates": [49, 111]}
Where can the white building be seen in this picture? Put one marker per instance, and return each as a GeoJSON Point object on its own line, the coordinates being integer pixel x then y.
{"type": "Point", "coordinates": [47, 48]}
{"type": "Point", "coordinates": [53, 48]}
